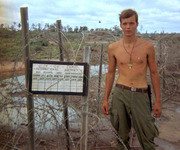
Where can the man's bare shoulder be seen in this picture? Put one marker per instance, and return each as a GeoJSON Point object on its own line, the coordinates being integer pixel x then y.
{"type": "Point", "coordinates": [147, 46]}
{"type": "Point", "coordinates": [114, 45]}
{"type": "Point", "coordinates": [146, 43]}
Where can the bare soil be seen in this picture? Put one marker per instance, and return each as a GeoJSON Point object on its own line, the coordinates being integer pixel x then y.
{"type": "Point", "coordinates": [168, 124]}
{"type": "Point", "coordinates": [101, 137]}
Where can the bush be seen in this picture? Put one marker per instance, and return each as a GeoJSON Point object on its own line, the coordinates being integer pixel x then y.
{"type": "Point", "coordinates": [40, 42]}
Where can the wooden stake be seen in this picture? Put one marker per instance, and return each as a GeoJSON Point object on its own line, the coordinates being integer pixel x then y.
{"type": "Point", "coordinates": [65, 100]}
{"type": "Point", "coordinates": [30, 102]}
{"type": "Point", "coordinates": [84, 110]}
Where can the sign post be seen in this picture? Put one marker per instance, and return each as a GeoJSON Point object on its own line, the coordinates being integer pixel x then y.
{"type": "Point", "coordinates": [65, 100]}
{"type": "Point", "coordinates": [84, 128]}
{"type": "Point", "coordinates": [30, 102]}
{"type": "Point", "coordinates": [99, 80]}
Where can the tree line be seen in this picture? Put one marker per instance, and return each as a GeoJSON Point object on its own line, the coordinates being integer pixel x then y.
{"type": "Point", "coordinates": [53, 27]}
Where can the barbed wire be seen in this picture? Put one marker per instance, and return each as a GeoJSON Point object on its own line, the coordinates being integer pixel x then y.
{"type": "Point", "coordinates": [48, 109]}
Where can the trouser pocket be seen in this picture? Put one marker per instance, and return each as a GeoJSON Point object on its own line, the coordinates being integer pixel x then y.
{"type": "Point", "coordinates": [114, 119]}
{"type": "Point", "coordinates": [152, 127]}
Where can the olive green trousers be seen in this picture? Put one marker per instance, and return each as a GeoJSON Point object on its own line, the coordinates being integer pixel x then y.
{"type": "Point", "coordinates": [126, 106]}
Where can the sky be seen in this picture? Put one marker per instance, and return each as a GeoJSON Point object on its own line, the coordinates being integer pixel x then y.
{"type": "Point", "coordinates": [154, 15]}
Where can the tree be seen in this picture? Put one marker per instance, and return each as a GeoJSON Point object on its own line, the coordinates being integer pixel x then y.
{"type": "Point", "coordinates": [12, 27]}
{"type": "Point", "coordinates": [2, 26]}
{"type": "Point", "coordinates": [52, 28]}
{"type": "Point", "coordinates": [39, 27]}
{"type": "Point", "coordinates": [76, 29]}
{"type": "Point", "coordinates": [46, 27]}
{"type": "Point", "coordinates": [64, 29]}
{"type": "Point", "coordinates": [67, 27]}
{"type": "Point", "coordinates": [33, 26]}
{"type": "Point", "coordinates": [70, 29]}
{"type": "Point", "coordinates": [83, 28]}
{"type": "Point", "coordinates": [117, 29]}
{"type": "Point", "coordinates": [19, 25]}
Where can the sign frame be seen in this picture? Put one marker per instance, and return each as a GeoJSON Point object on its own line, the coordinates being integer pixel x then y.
{"type": "Point", "coordinates": [85, 77]}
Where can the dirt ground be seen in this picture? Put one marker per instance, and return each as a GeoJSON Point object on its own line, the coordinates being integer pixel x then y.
{"type": "Point", "coordinates": [168, 124]}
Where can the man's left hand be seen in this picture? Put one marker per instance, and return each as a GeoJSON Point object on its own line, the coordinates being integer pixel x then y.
{"type": "Point", "coordinates": [157, 109]}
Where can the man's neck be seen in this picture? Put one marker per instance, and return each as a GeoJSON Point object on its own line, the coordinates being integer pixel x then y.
{"type": "Point", "coordinates": [129, 39]}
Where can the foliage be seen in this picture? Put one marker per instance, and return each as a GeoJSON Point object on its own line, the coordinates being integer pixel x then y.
{"type": "Point", "coordinates": [44, 40]}
{"type": "Point", "coordinates": [44, 44]}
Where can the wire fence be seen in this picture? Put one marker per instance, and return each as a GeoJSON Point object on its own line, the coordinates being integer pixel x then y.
{"type": "Point", "coordinates": [49, 128]}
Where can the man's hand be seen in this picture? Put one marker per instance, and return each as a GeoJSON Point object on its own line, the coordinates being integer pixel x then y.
{"type": "Point", "coordinates": [157, 109]}
{"type": "Point", "coordinates": [105, 107]}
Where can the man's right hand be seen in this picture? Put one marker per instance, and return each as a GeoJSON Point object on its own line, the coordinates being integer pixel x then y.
{"type": "Point", "coordinates": [105, 107]}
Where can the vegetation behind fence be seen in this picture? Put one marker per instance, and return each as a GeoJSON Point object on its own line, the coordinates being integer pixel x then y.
{"type": "Point", "coordinates": [49, 129]}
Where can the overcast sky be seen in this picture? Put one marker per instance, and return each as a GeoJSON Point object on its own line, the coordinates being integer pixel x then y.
{"type": "Point", "coordinates": [154, 15]}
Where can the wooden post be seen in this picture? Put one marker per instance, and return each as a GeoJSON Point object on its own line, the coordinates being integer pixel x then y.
{"type": "Point", "coordinates": [25, 34]}
{"type": "Point", "coordinates": [30, 102]}
{"type": "Point", "coordinates": [84, 121]}
{"type": "Point", "coordinates": [99, 82]}
{"type": "Point", "coordinates": [65, 100]}
{"type": "Point", "coordinates": [60, 40]}
{"type": "Point", "coordinates": [66, 121]}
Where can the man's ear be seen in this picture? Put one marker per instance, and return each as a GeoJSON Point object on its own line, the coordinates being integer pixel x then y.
{"type": "Point", "coordinates": [137, 24]}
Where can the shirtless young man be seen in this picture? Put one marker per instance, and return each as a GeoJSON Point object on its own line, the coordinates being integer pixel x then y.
{"type": "Point", "coordinates": [132, 56]}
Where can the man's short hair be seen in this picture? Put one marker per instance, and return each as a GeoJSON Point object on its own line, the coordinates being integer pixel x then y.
{"type": "Point", "coordinates": [127, 13]}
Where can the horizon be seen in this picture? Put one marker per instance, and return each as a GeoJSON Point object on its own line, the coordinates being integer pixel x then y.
{"type": "Point", "coordinates": [157, 16]}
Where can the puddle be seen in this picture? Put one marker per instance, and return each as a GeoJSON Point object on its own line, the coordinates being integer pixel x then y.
{"type": "Point", "coordinates": [48, 114]}
{"type": "Point", "coordinates": [48, 111]}
{"type": "Point", "coordinates": [178, 110]}
{"type": "Point", "coordinates": [95, 70]}
{"type": "Point", "coordinates": [164, 145]}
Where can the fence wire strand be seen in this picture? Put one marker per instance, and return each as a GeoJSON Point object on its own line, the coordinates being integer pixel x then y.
{"type": "Point", "coordinates": [48, 109]}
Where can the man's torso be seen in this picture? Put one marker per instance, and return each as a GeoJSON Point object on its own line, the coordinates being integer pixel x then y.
{"type": "Point", "coordinates": [134, 76]}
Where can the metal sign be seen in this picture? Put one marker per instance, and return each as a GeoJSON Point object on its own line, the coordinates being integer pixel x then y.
{"type": "Point", "coordinates": [53, 77]}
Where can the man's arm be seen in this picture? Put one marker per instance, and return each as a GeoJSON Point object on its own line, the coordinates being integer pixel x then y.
{"type": "Point", "coordinates": [109, 80]}
{"type": "Point", "coordinates": [155, 80]}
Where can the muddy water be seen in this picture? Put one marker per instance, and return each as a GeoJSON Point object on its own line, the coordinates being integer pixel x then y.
{"type": "Point", "coordinates": [15, 114]}
{"type": "Point", "coordinates": [45, 118]}
{"type": "Point", "coordinates": [164, 145]}
{"type": "Point", "coordinates": [178, 110]}
{"type": "Point", "coordinates": [48, 111]}
{"type": "Point", "coordinates": [95, 70]}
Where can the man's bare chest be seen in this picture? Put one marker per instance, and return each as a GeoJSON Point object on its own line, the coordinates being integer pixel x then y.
{"type": "Point", "coordinates": [137, 56]}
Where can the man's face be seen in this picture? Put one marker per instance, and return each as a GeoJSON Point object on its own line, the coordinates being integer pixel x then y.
{"type": "Point", "coordinates": [129, 26]}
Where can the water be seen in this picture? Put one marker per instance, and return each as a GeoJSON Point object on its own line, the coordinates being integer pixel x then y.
{"type": "Point", "coordinates": [164, 145]}
{"type": "Point", "coordinates": [48, 111]}
{"type": "Point", "coordinates": [48, 114]}
{"type": "Point", "coordinates": [178, 110]}
{"type": "Point", "coordinates": [95, 70]}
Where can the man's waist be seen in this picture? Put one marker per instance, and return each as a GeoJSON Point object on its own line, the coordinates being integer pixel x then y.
{"type": "Point", "coordinates": [133, 89]}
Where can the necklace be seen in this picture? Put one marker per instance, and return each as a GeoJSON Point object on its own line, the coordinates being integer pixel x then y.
{"type": "Point", "coordinates": [130, 54]}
